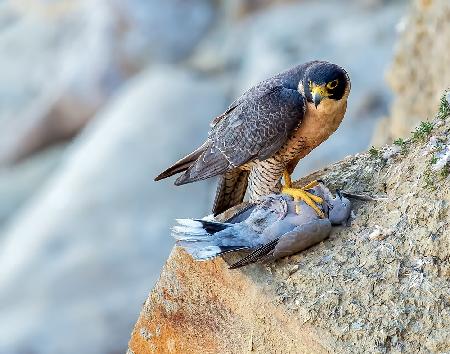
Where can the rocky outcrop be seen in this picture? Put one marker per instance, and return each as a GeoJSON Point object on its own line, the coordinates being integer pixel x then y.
{"type": "Point", "coordinates": [380, 285]}
{"type": "Point", "coordinates": [420, 70]}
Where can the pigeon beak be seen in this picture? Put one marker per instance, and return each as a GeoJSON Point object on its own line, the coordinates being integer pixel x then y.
{"type": "Point", "coordinates": [339, 194]}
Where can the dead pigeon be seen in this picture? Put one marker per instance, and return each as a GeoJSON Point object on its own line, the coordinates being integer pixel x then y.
{"type": "Point", "coordinates": [270, 229]}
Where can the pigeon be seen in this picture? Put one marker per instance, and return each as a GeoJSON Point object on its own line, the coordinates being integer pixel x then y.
{"type": "Point", "coordinates": [277, 226]}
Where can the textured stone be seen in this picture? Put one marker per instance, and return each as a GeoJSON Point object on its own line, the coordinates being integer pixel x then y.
{"type": "Point", "coordinates": [205, 308]}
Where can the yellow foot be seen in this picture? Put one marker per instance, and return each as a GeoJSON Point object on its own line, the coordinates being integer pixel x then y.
{"type": "Point", "coordinates": [302, 194]}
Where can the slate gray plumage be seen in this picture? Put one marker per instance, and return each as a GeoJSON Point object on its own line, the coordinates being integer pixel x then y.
{"type": "Point", "coordinates": [260, 135]}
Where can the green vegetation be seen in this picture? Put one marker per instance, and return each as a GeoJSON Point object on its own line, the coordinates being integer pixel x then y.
{"type": "Point", "coordinates": [422, 131]}
{"type": "Point", "coordinates": [374, 152]}
{"type": "Point", "coordinates": [402, 144]}
{"type": "Point", "coordinates": [444, 106]}
{"type": "Point", "coordinates": [431, 176]}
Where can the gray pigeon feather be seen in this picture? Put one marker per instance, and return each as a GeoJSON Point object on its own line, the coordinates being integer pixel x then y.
{"type": "Point", "coordinates": [272, 230]}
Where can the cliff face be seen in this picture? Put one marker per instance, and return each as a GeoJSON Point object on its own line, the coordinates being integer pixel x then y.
{"type": "Point", "coordinates": [380, 285]}
{"type": "Point", "coordinates": [420, 69]}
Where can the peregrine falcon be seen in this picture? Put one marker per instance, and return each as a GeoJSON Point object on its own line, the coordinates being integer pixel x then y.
{"type": "Point", "coordinates": [264, 133]}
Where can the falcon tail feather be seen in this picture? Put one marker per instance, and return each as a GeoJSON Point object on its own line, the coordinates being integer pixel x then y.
{"type": "Point", "coordinates": [210, 163]}
{"type": "Point", "coordinates": [230, 190]}
{"type": "Point", "coordinates": [183, 164]}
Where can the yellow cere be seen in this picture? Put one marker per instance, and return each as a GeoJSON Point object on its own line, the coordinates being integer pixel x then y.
{"type": "Point", "coordinates": [320, 89]}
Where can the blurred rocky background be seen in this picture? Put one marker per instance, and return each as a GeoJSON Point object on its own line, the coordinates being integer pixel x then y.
{"type": "Point", "coordinates": [420, 71]}
{"type": "Point", "coordinates": [98, 96]}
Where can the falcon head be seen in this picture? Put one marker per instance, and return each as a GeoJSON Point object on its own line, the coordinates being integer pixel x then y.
{"type": "Point", "coordinates": [325, 81]}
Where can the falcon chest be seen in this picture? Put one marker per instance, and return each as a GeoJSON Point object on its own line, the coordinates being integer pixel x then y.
{"type": "Point", "coordinates": [316, 126]}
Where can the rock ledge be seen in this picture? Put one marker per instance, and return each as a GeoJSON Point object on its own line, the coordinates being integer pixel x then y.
{"type": "Point", "coordinates": [381, 285]}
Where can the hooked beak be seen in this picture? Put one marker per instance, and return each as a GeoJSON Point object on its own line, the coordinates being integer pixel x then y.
{"type": "Point", "coordinates": [318, 93]}
{"type": "Point", "coordinates": [316, 99]}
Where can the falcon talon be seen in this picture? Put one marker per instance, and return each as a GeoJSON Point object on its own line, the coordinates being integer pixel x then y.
{"type": "Point", "coordinates": [311, 184]}
{"type": "Point", "coordinates": [303, 194]}
{"type": "Point", "coordinates": [308, 198]}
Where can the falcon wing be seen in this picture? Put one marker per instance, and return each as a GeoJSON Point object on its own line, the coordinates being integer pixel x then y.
{"type": "Point", "coordinates": [253, 93]}
{"type": "Point", "coordinates": [259, 126]}
{"type": "Point", "coordinates": [255, 128]}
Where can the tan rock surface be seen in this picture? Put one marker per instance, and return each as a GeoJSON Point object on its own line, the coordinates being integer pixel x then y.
{"type": "Point", "coordinates": [205, 308]}
{"type": "Point", "coordinates": [420, 70]}
{"type": "Point", "coordinates": [381, 285]}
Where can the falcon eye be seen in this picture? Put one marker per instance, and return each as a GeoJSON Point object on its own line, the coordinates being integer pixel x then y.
{"type": "Point", "coordinates": [332, 84]}
{"type": "Point", "coordinates": [310, 84]}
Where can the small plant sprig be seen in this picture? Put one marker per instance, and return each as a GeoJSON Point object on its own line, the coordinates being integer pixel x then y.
{"type": "Point", "coordinates": [422, 131]}
{"type": "Point", "coordinates": [431, 176]}
{"type": "Point", "coordinates": [401, 143]}
{"type": "Point", "coordinates": [444, 106]}
{"type": "Point", "coordinates": [374, 152]}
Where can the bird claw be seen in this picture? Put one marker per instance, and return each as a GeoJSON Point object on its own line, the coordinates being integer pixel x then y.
{"type": "Point", "coordinates": [302, 194]}
{"type": "Point", "coordinates": [309, 198]}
